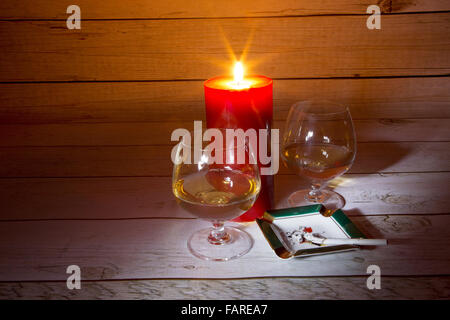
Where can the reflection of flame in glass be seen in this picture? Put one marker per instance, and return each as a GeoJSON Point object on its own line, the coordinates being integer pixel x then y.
{"type": "Point", "coordinates": [203, 161]}
{"type": "Point", "coordinates": [309, 135]}
{"type": "Point", "coordinates": [340, 182]}
{"type": "Point", "coordinates": [228, 181]}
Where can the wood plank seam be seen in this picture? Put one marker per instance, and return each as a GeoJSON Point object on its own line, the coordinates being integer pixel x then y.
{"type": "Point", "coordinates": [187, 218]}
{"type": "Point", "coordinates": [385, 13]}
{"type": "Point", "coordinates": [237, 279]}
{"type": "Point", "coordinates": [356, 77]}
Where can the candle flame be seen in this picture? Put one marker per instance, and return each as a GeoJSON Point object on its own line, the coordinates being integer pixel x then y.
{"type": "Point", "coordinates": [238, 82]}
{"type": "Point", "coordinates": [238, 72]}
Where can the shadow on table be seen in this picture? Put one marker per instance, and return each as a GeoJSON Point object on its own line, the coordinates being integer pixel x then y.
{"type": "Point", "coordinates": [364, 224]}
{"type": "Point", "coordinates": [377, 157]}
{"type": "Point", "coordinates": [371, 158]}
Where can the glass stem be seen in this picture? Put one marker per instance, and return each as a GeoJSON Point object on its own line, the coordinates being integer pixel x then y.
{"type": "Point", "coordinates": [315, 194]}
{"type": "Point", "coordinates": [218, 235]}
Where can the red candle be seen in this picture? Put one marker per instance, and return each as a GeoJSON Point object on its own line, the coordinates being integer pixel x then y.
{"type": "Point", "coordinates": [242, 103]}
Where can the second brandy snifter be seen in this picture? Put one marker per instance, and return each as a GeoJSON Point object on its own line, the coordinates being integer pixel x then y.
{"type": "Point", "coordinates": [319, 144]}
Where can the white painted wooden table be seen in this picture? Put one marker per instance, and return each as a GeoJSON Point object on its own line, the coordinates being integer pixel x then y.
{"type": "Point", "coordinates": [129, 238]}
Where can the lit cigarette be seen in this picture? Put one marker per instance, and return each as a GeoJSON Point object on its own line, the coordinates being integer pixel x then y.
{"type": "Point", "coordinates": [334, 241]}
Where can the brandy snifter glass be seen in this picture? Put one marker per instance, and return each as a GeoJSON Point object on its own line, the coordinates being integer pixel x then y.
{"type": "Point", "coordinates": [217, 191]}
{"type": "Point", "coordinates": [319, 144]}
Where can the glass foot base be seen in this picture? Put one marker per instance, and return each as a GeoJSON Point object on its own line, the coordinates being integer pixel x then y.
{"type": "Point", "coordinates": [239, 243]}
{"type": "Point", "coordinates": [330, 199]}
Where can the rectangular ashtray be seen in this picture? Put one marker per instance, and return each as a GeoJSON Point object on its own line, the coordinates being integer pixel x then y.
{"type": "Point", "coordinates": [275, 225]}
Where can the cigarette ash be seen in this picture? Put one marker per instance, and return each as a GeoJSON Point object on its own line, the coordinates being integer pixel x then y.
{"type": "Point", "coordinates": [298, 236]}
{"type": "Point", "coordinates": [292, 235]}
{"type": "Point", "coordinates": [295, 239]}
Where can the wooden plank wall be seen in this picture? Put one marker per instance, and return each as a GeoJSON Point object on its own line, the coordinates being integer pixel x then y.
{"type": "Point", "coordinates": [134, 72]}
{"type": "Point", "coordinates": [87, 114]}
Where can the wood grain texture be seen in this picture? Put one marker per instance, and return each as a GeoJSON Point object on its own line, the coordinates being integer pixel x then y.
{"type": "Point", "coordinates": [104, 161]}
{"type": "Point", "coordinates": [183, 100]}
{"type": "Point", "coordinates": [392, 288]}
{"type": "Point", "coordinates": [85, 176]}
{"type": "Point", "coordinates": [141, 9]}
{"type": "Point", "coordinates": [143, 249]}
{"type": "Point", "coordinates": [159, 133]}
{"type": "Point", "coordinates": [277, 47]}
{"type": "Point", "coordinates": [121, 198]}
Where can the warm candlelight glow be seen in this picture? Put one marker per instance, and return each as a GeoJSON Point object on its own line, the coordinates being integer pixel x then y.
{"type": "Point", "coordinates": [238, 72]}
{"type": "Point", "coordinates": [239, 82]}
